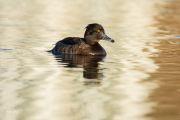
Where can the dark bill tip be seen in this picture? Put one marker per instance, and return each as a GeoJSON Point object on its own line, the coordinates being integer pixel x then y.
{"type": "Point", "coordinates": [105, 37]}
{"type": "Point", "coordinates": [112, 41]}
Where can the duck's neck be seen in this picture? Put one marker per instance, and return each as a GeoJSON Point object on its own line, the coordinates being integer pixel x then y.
{"type": "Point", "coordinates": [88, 41]}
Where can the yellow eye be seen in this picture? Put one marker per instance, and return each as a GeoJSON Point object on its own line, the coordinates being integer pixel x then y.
{"type": "Point", "coordinates": [98, 30]}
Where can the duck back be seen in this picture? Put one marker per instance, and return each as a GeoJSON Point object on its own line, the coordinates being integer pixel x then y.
{"type": "Point", "coordinates": [76, 45]}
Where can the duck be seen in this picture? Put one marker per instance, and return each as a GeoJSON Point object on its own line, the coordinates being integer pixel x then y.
{"type": "Point", "coordinates": [84, 46]}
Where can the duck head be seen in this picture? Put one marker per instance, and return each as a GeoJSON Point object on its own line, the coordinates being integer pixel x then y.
{"type": "Point", "coordinates": [94, 33]}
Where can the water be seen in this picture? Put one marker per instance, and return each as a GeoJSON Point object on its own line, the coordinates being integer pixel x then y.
{"type": "Point", "coordinates": [137, 80]}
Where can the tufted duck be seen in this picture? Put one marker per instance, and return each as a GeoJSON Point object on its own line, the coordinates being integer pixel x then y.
{"type": "Point", "coordinates": [85, 46]}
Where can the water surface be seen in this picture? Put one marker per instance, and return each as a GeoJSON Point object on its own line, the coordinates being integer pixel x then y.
{"type": "Point", "coordinates": [137, 80]}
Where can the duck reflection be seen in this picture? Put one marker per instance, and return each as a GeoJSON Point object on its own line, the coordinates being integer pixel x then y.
{"type": "Point", "coordinates": [92, 72]}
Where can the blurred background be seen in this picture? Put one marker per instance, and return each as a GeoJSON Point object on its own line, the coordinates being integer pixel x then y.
{"type": "Point", "coordinates": [137, 80]}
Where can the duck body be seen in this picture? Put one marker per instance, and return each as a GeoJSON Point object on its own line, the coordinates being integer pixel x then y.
{"type": "Point", "coordinates": [83, 46]}
{"type": "Point", "coordinates": [76, 45]}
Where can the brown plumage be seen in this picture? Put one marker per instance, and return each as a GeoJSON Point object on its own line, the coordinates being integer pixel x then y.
{"type": "Point", "coordinates": [86, 46]}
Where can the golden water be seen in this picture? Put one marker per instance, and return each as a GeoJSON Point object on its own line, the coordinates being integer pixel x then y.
{"type": "Point", "coordinates": [137, 80]}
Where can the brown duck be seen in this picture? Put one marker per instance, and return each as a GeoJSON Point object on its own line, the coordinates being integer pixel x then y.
{"type": "Point", "coordinates": [84, 46]}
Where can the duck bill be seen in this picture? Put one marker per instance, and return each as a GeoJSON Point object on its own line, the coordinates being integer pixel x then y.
{"type": "Point", "coordinates": [105, 37]}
